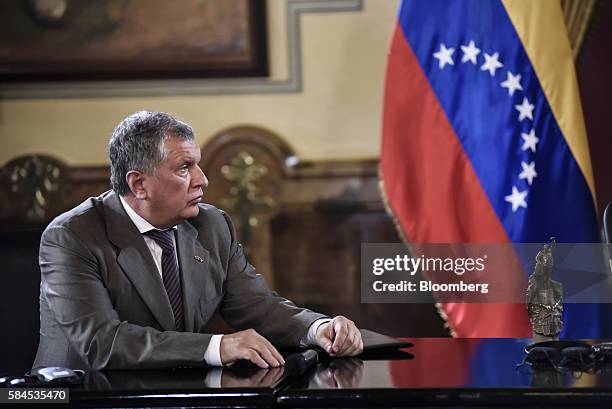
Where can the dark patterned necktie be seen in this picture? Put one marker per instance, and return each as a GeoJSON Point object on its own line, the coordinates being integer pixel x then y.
{"type": "Point", "coordinates": [170, 274]}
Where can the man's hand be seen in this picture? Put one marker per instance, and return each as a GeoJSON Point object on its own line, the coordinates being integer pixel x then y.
{"type": "Point", "coordinates": [340, 337]}
{"type": "Point", "coordinates": [248, 344]}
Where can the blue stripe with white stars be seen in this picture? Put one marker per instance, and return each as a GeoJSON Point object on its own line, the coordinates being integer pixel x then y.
{"type": "Point", "coordinates": [493, 99]}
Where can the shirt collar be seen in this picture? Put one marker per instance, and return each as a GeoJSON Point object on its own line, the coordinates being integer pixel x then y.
{"type": "Point", "coordinates": [141, 224]}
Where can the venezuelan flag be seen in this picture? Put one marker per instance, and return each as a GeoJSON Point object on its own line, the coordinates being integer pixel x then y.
{"type": "Point", "coordinates": [484, 140]}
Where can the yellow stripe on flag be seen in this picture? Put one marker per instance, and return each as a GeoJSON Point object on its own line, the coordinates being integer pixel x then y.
{"type": "Point", "coordinates": [541, 29]}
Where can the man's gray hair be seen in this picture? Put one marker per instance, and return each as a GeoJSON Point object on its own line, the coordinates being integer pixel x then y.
{"type": "Point", "coordinates": [137, 143]}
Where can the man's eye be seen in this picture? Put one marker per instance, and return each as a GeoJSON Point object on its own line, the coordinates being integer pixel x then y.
{"type": "Point", "coordinates": [184, 170]}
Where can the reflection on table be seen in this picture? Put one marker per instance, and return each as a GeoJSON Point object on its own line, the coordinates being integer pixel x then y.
{"type": "Point", "coordinates": [436, 371]}
{"type": "Point", "coordinates": [246, 385]}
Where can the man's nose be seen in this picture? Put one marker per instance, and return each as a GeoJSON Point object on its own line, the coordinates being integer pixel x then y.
{"type": "Point", "coordinates": [200, 179]}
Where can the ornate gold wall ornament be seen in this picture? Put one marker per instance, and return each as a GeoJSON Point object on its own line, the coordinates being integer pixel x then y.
{"type": "Point", "coordinates": [245, 175]}
{"type": "Point", "coordinates": [36, 178]}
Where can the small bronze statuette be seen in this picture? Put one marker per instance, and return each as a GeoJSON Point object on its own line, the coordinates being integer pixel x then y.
{"type": "Point", "coordinates": [545, 298]}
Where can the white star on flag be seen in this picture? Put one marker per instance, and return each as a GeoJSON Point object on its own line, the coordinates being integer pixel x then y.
{"type": "Point", "coordinates": [517, 199]}
{"type": "Point", "coordinates": [491, 63]}
{"type": "Point", "coordinates": [525, 109]}
{"type": "Point", "coordinates": [531, 140]}
{"type": "Point", "coordinates": [444, 56]}
{"type": "Point", "coordinates": [528, 172]}
{"type": "Point", "coordinates": [512, 83]}
{"type": "Point", "coordinates": [470, 52]}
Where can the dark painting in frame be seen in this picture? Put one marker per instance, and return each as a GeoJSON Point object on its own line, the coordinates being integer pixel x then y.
{"type": "Point", "coordinates": [131, 39]}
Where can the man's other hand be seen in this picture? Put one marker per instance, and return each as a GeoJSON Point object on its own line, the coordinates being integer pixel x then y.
{"type": "Point", "coordinates": [340, 337]}
{"type": "Point", "coordinates": [249, 345]}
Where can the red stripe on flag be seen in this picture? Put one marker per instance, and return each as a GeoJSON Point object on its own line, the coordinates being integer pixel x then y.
{"type": "Point", "coordinates": [432, 188]}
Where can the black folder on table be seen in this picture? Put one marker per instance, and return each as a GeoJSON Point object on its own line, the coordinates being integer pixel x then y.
{"type": "Point", "coordinates": [375, 341]}
{"type": "Point", "coordinates": [382, 347]}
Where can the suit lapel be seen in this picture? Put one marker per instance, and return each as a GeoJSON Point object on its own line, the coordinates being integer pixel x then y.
{"type": "Point", "coordinates": [136, 261]}
{"type": "Point", "coordinates": [194, 267]}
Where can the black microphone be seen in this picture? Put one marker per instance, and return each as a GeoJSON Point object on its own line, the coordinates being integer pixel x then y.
{"type": "Point", "coordinates": [298, 363]}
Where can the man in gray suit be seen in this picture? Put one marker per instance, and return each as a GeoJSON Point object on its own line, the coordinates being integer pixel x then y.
{"type": "Point", "coordinates": [129, 279]}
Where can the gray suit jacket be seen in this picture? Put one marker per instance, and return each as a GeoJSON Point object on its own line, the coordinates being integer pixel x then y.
{"type": "Point", "coordinates": [103, 303]}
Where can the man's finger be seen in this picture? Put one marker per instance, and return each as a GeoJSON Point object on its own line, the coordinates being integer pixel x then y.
{"type": "Point", "coordinates": [354, 343]}
{"type": "Point", "coordinates": [325, 335]}
{"type": "Point", "coordinates": [264, 351]}
{"type": "Point", "coordinates": [341, 349]}
{"type": "Point", "coordinates": [277, 356]}
{"type": "Point", "coordinates": [341, 331]}
{"type": "Point", "coordinates": [353, 349]}
{"type": "Point", "coordinates": [358, 345]}
{"type": "Point", "coordinates": [253, 356]}
{"type": "Point", "coordinates": [349, 350]}
{"type": "Point", "coordinates": [351, 340]}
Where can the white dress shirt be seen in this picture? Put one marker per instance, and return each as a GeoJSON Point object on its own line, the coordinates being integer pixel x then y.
{"type": "Point", "coordinates": [212, 355]}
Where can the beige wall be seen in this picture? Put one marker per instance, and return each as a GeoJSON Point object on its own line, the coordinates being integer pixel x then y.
{"type": "Point", "coordinates": [336, 116]}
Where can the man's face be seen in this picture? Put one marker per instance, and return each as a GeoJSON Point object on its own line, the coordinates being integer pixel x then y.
{"type": "Point", "coordinates": [176, 188]}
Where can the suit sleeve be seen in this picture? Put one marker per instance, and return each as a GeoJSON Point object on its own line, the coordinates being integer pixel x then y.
{"type": "Point", "coordinates": [249, 303]}
{"type": "Point", "coordinates": [73, 288]}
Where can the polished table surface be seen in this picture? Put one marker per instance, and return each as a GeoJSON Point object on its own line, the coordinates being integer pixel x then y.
{"type": "Point", "coordinates": [435, 372]}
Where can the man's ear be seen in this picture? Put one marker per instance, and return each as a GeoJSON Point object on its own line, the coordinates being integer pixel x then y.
{"type": "Point", "coordinates": [135, 181]}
